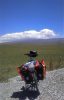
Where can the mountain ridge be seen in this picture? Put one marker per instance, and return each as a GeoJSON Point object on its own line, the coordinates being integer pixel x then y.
{"type": "Point", "coordinates": [38, 41]}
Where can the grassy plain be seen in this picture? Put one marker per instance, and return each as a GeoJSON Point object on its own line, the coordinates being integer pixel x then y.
{"type": "Point", "coordinates": [12, 55]}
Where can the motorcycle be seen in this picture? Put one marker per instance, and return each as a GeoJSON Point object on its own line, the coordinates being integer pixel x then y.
{"type": "Point", "coordinates": [33, 71]}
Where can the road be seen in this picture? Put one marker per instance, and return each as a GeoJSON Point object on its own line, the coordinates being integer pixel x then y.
{"type": "Point", "coordinates": [51, 88]}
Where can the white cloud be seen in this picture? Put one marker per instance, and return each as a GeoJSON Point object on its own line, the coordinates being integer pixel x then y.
{"type": "Point", "coordinates": [42, 34]}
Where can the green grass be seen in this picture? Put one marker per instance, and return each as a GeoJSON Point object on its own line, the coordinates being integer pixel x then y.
{"type": "Point", "coordinates": [12, 55]}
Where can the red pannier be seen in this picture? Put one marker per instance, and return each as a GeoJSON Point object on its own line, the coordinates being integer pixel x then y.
{"type": "Point", "coordinates": [26, 75]}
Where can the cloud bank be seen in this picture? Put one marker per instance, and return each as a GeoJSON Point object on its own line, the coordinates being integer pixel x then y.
{"type": "Point", "coordinates": [30, 34]}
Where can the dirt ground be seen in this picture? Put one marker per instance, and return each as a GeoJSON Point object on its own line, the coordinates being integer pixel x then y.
{"type": "Point", "coordinates": [51, 88]}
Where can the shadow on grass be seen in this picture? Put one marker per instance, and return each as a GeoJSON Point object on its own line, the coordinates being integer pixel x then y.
{"type": "Point", "coordinates": [23, 94]}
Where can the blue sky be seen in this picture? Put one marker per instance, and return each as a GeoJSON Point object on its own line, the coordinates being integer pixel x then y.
{"type": "Point", "coordinates": [23, 15]}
